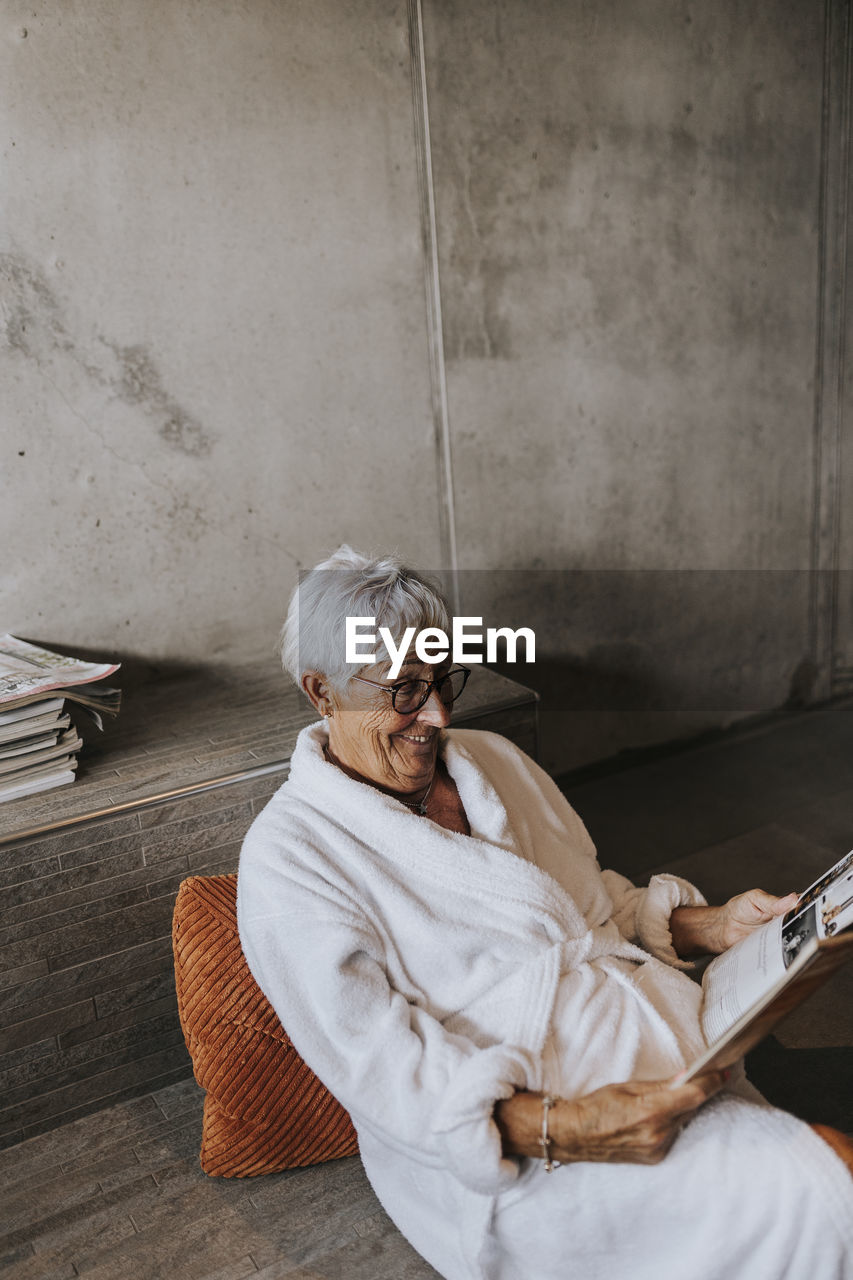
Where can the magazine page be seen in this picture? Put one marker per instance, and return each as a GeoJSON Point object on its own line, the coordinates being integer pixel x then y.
{"type": "Point", "coordinates": [18, 731]}
{"type": "Point", "coordinates": [34, 742]}
{"type": "Point", "coordinates": [735, 980]}
{"type": "Point", "coordinates": [743, 977]}
{"type": "Point", "coordinates": [45, 707]}
{"type": "Point", "coordinates": [806, 974]}
{"type": "Point", "coordinates": [26, 670]}
{"type": "Point", "coordinates": [825, 908]}
{"type": "Point", "coordinates": [69, 742]}
{"type": "Point", "coordinates": [43, 779]}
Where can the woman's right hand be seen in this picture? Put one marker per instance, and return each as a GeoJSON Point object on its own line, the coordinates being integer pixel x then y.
{"type": "Point", "coordinates": [634, 1123]}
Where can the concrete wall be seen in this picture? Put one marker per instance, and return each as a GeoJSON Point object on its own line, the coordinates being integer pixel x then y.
{"type": "Point", "coordinates": [214, 364]}
{"type": "Point", "coordinates": [628, 206]}
{"type": "Point", "coordinates": [219, 362]}
{"type": "Point", "coordinates": [629, 212]}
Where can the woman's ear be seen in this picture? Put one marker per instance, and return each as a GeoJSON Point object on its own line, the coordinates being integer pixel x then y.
{"type": "Point", "coordinates": [318, 691]}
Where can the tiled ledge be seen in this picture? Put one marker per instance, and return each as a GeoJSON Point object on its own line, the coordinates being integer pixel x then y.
{"type": "Point", "coordinates": [192, 734]}
{"type": "Point", "coordinates": [89, 874]}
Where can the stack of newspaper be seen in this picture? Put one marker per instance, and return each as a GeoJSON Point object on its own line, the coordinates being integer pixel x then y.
{"type": "Point", "coordinates": [38, 743]}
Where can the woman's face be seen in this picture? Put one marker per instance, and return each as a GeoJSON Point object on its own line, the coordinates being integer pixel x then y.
{"type": "Point", "coordinates": [367, 735]}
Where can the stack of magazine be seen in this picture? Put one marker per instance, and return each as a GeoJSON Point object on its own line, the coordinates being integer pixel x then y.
{"type": "Point", "coordinates": [38, 743]}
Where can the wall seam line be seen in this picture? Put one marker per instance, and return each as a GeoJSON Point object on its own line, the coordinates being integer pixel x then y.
{"type": "Point", "coordinates": [432, 283]}
{"type": "Point", "coordinates": [829, 355]}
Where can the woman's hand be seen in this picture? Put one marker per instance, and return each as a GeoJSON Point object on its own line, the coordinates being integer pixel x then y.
{"type": "Point", "coordinates": [710, 930]}
{"type": "Point", "coordinates": [633, 1123]}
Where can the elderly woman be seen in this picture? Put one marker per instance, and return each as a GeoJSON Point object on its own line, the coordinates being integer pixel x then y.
{"type": "Point", "coordinates": [426, 914]}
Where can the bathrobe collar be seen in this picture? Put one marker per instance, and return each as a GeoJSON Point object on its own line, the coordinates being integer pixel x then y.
{"type": "Point", "coordinates": [489, 863]}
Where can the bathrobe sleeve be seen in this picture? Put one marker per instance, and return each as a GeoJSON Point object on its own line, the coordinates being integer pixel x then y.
{"type": "Point", "coordinates": [392, 1065]}
{"type": "Point", "coordinates": [642, 915]}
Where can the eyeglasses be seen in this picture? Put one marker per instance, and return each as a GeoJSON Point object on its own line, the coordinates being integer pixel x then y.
{"type": "Point", "coordinates": [410, 695]}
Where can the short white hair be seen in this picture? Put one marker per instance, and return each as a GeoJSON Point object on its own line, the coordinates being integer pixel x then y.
{"type": "Point", "coordinates": [350, 584]}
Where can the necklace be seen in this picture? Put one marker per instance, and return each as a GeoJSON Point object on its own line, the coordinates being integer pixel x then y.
{"type": "Point", "coordinates": [420, 806]}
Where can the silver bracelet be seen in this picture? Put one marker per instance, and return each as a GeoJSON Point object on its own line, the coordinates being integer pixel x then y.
{"type": "Point", "coordinates": [545, 1141]}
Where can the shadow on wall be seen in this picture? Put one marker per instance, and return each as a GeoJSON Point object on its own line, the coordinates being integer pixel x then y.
{"type": "Point", "coordinates": [167, 689]}
{"type": "Point", "coordinates": [138, 671]}
{"type": "Point", "coordinates": [615, 708]}
{"type": "Point", "coordinates": [625, 660]}
{"type": "Point", "coordinates": [629, 659]}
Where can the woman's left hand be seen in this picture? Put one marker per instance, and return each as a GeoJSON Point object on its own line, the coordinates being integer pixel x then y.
{"type": "Point", "coordinates": [710, 930]}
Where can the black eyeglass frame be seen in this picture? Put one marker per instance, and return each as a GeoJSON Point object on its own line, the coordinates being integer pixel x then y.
{"type": "Point", "coordinates": [394, 689]}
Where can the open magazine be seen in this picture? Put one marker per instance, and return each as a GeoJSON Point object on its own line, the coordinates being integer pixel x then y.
{"type": "Point", "coordinates": [753, 985]}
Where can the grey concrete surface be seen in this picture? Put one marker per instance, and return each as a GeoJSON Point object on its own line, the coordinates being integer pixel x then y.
{"type": "Point", "coordinates": [628, 207]}
{"type": "Point", "coordinates": [216, 353]}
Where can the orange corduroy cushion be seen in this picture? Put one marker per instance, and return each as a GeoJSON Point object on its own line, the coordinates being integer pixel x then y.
{"type": "Point", "coordinates": [264, 1110]}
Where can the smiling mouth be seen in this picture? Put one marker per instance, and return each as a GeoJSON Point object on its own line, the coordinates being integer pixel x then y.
{"type": "Point", "coordinates": [421, 739]}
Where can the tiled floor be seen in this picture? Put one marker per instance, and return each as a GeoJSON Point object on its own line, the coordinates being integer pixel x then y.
{"type": "Point", "coordinates": [119, 1195]}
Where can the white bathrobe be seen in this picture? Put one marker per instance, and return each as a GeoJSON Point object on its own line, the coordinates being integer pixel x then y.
{"type": "Point", "coordinates": [423, 974]}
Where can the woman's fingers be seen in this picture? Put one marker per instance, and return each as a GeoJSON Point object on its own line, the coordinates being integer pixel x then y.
{"type": "Point", "coordinates": [698, 1090]}
{"type": "Point", "coordinates": [757, 904]}
{"type": "Point", "coordinates": [751, 910]}
{"type": "Point", "coordinates": [781, 905]}
{"type": "Point", "coordinates": [636, 1122]}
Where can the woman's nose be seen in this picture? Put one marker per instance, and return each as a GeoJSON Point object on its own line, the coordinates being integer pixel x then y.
{"type": "Point", "coordinates": [435, 711]}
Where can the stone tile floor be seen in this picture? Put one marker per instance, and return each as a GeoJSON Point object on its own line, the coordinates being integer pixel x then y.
{"type": "Point", "coordinates": [119, 1194]}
